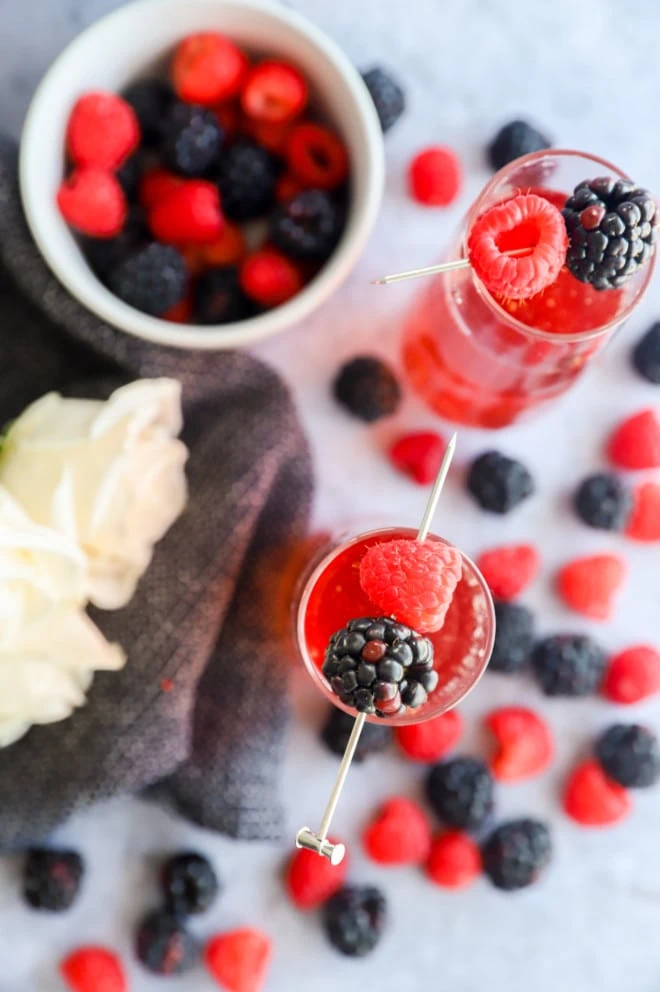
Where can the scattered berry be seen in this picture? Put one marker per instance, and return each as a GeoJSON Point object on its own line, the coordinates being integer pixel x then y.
{"type": "Point", "coordinates": [460, 791]}
{"type": "Point", "coordinates": [219, 299]}
{"type": "Point", "coordinates": [189, 214]}
{"type": "Point", "coordinates": [189, 883]}
{"type": "Point", "coordinates": [151, 278]}
{"type": "Point", "coordinates": [644, 521]}
{"type": "Point", "coordinates": [239, 960]}
{"type": "Point", "coordinates": [629, 754]}
{"type": "Point", "coordinates": [208, 68]}
{"type": "Point", "coordinates": [514, 140]}
{"type": "Point", "coordinates": [590, 585]}
{"type": "Point", "coordinates": [516, 853]}
{"type": "Point", "coordinates": [246, 178]}
{"type": "Point", "coordinates": [603, 501]}
{"type": "Point", "coordinates": [93, 969]}
{"type": "Point", "coordinates": [164, 946]}
{"type": "Point", "coordinates": [192, 139]}
{"type": "Point", "coordinates": [646, 354]}
{"type": "Point", "coordinates": [498, 483]}
{"type": "Point", "coordinates": [156, 184]}
{"type": "Point", "coordinates": [633, 675]}
{"type": "Point", "coordinates": [594, 800]}
{"type": "Point", "coordinates": [151, 101]}
{"type": "Point", "coordinates": [354, 920]}
{"type": "Point", "coordinates": [509, 569]}
{"type": "Point", "coordinates": [374, 738]}
{"type": "Point", "coordinates": [454, 861]}
{"type": "Point", "coordinates": [311, 879]}
{"type": "Point", "coordinates": [435, 176]}
{"type": "Point", "coordinates": [270, 278]}
{"type": "Point", "coordinates": [568, 665]}
{"type": "Point", "coordinates": [413, 581]}
{"type": "Point", "coordinates": [419, 455]}
{"type": "Point", "coordinates": [400, 834]}
{"type": "Point", "coordinates": [388, 96]}
{"type": "Point", "coordinates": [368, 388]}
{"type": "Point", "coordinates": [93, 202]}
{"type": "Point", "coordinates": [274, 92]}
{"type": "Point", "coordinates": [51, 879]}
{"type": "Point", "coordinates": [432, 739]}
{"type": "Point", "coordinates": [102, 131]}
{"type": "Point", "coordinates": [307, 226]}
{"type": "Point", "coordinates": [525, 746]}
{"type": "Point", "coordinates": [514, 637]}
{"type": "Point", "coordinates": [317, 156]}
{"type": "Point", "coordinates": [635, 443]}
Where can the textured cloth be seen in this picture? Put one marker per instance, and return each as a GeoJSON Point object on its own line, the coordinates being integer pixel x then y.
{"type": "Point", "coordinates": [198, 714]}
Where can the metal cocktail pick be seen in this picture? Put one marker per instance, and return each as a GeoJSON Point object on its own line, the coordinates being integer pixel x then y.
{"type": "Point", "coordinates": [319, 841]}
{"type": "Point", "coordinates": [432, 270]}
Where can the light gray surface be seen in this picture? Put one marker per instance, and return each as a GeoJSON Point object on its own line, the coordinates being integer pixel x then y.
{"type": "Point", "coordinates": [588, 73]}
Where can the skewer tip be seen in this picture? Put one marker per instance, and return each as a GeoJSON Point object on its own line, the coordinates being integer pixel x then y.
{"type": "Point", "coordinates": [378, 282]}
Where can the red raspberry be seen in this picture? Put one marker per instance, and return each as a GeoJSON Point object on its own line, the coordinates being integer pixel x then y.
{"type": "Point", "coordinates": [400, 834]}
{"type": "Point", "coordinates": [431, 740]}
{"type": "Point", "coordinates": [311, 879]}
{"type": "Point", "coordinates": [412, 581]}
{"type": "Point", "coordinates": [270, 278]}
{"type": "Point", "coordinates": [317, 156]}
{"type": "Point", "coordinates": [454, 861]}
{"type": "Point", "coordinates": [594, 800]}
{"type": "Point", "coordinates": [180, 313]}
{"type": "Point", "coordinates": [644, 520]}
{"type": "Point", "coordinates": [229, 118]}
{"type": "Point", "coordinates": [102, 131]}
{"type": "Point", "coordinates": [419, 455]}
{"type": "Point", "coordinates": [525, 221]}
{"type": "Point", "coordinates": [633, 675]}
{"type": "Point", "coordinates": [274, 92]}
{"type": "Point", "coordinates": [208, 68]}
{"type": "Point", "coordinates": [272, 137]}
{"type": "Point", "coordinates": [93, 969]}
{"type": "Point", "coordinates": [590, 585]}
{"type": "Point", "coordinates": [238, 960]}
{"type": "Point", "coordinates": [287, 187]}
{"type": "Point", "coordinates": [93, 202]}
{"type": "Point", "coordinates": [228, 249]}
{"type": "Point", "coordinates": [189, 214]}
{"type": "Point", "coordinates": [525, 746]}
{"type": "Point", "coordinates": [636, 442]}
{"type": "Point", "coordinates": [509, 569]}
{"type": "Point", "coordinates": [155, 184]}
{"type": "Point", "coordinates": [434, 176]}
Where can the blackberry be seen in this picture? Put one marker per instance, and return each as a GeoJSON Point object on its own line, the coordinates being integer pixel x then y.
{"type": "Point", "coordinates": [389, 99]}
{"type": "Point", "coordinates": [105, 254]}
{"type": "Point", "coordinates": [513, 140]}
{"type": "Point", "coordinates": [568, 665]}
{"type": "Point", "coordinates": [514, 637]}
{"type": "Point", "coordinates": [516, 853]}
{"type": "Point", "coordinates": [460, 791]}
{"type": "Point", "coordinates": [630, 754]}
{"type": "Point", "coordinates": [646, 355]}
{"type": "Point", "coordinates": [151, 278]}
{"type": "Point", "coordinates": [603, 501]}
{"type": "Point", "coordinates": [192, 139]}
{"type": "Point", "coordinates": [246, 177]}
{"type": "Point", "coordinates": [219, 299]}
{"type": "Point", "coordinates": [51, 879]}
{"type": "Point", "coordinates": [152, 101]}
{"type": "Point", "coordinates": [611, 228]}
{"type": "Point", "coordinates": [189, 883]}
{"type": "Point", "coordinates": [337, 729]}
{"type": "Point", "coordinates": [377, 665]}
{"type": "Point", "coordinates": [307, 226]}
{"type": "Point", "coordinates": [354, 919]}
{"type": "Point", "coordinates": [368, 388]}
{"type": "Point", "coordinates": [129, 174]}
{"type": "Point", "coordinates": [164, 946]}
{"type": "Point", "coordinates": [499, 483]}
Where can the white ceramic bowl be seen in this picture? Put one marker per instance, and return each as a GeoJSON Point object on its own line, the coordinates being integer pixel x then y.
{"type": "Point", "coordinates": [132, 42]}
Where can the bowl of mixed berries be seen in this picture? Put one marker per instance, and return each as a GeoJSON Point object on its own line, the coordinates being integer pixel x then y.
{"type": "Point", "coordinates": [201, 173]}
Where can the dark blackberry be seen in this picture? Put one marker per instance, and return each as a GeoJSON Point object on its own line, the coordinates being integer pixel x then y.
{"type": "Point", "coordinates": [568, 665]}
{"type": "Point", "coordinates": [389, 98]}
{"type": "Point", "coordinates": [374, 738]}
{"type": "Point", "coordinates": [646, 355]}
{"type": "Point", "coordinates": [164, 946]}
{"type": "Point", "coordinates": [368, 388]}
{"type": "Point", "coordinates": [246, 177]}
{"type": "Point", "coordinates": [105, 254]}
{"type": "Point", "coordinates": [151, 278]}
{"type": "Point", "coordinates": [460, 791]}
{"type": "Point", "coordinates": [219, 299]}
{"type": "Point", "coordinates": [612, 230]}
{"type": "Point", "coordinates": [51, 879]}
{"type": "Point", "coordinates": [192, 140]}
{"type": "Point", "coordinates": [514, 637]}
{"type": "Point", "coordinates": [152, 101]}
{"type": "Point", "coordinates": [129, 174]}
{"type": "Point", "coordinates": [189, 883]}
{"type": "Point", "coordinates": [513, 140]}
{"type": "Point", "coordinates": [603, 501]}
{"type": "Point", "coordinates": [308, 225]}
{"type": "Point", "coordinates": [630, 754]}
{"type": "Point", "coordinates": [354, 919]}
{"type": "Point", "coordinates": [499, 483]}
{"type": "Point", "coordinates": [377, 665]}
{"type": "Point", "coordinates": [516, 853]}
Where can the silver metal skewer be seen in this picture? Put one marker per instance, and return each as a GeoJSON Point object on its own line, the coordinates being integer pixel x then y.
{"type": "Point", "coordinates": [318, 842]}
{"type": "Point", "coordinates": [432, 270]}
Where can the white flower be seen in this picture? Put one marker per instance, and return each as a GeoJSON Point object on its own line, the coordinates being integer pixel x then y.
{"type": "Point", "coordinates": [108, 475]}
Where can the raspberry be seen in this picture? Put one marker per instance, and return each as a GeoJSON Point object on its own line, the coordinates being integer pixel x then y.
{"type": "Point", "coordinates": [498, 483]}
{"type": "Point", "coordinates": [431, 740]}
{"type": "Point", "coordinates": [630, 755]}
{"type": "Point", "coordinates": [336, 731]}
{"type": "Point", "coordinates": [633, 675]}
{"type": "Point", "coordinates": [151, 101]}
{"type": "Point", "coordinates": [219, 299]}
{"type": "Point", "coordinates": [525, 221]}
{"type": "Point", "coordinates": [311, 879]}
{"type": "Point", "coordinates": [645, 355]}
{"type": "Point", "coordinates": [590, 585]}
{"type": "Point", "coordinates": [516, 853]}
{"type": "Point", "coordinates": [413, 581]}
{"type": "Point", "coordinates": [454, 861]}
{"type": "Point", "coordinates": [514, 637]}
{"type": "Point", "coordinates": [272, 137]}
{"type": "Point", "coordinates": [635, 443]}
{"type": "Point", "coordinates": [246, 178]}
{"type": "Point", "coordinates": [287, 187]}
{"type": "Point", "coordinates": [509, 569]}
{"type": "Point", "coordinates": [355, 919]}
{"type": "Point", "coordinates": [317, 156]}
{"type": "Point", "coordinates": [400, 834]}
{"type": "Point", "coordinates": [269, 278]}
{"type": "Point", "coordinates": [102, 131]}
{"type": "Point", "coordinates": [603, 501]}
{"type": "Point", "coordinates": [644, 521]}
{"type": "Point", "coordinates": [238, 960]}
{"type": "Point", "coordinates": [387, 95]}
{"type": "Point", "coordinates": [51, 879]}
{"type": "Point", "coordinates": [419, 455]}
{"type": "Point", "coordinates": [308, 226]}
{"type": "Point", "coordinates": [229, 249]}
{"type": "Point", "coordinates": [93, 969]}
{"type": "Point", "coordinates": [230, 119]}
{"type": "Point", "coordinates": [461, 792]}
{"type": "Point", "coordinates": [189, 214]}
{"type": "Point", "coordinates": [568, 665]}
{"type": "Point", "coordinates": [152, 278]}
{"type": "Point", "coordinates": [368, 388]}
{"type": "Point", "coordinates": [524, 743]}
{"type": "Point", "coordinates": [164, 946]}
{"type": "Point", "coordinates": [155, 184]}
{"type": "Point", "coordinates": [189, 884]}
{"type": "Point", "coordinates": [208, 68]}
{"type": "Point", "coordinates": [513, 140]}
{"type": "Point", "coordinates": [435, 176]}
{"type": "Point", "coordinates": [180, 313]}
{"type": "Point", "coordinates": [192, 139]}
{"type": "Point", "coordinates": [274, 92]}
{"type": "Point", "coordinates": [93, 202]}
{"type": "Point", "coordinates": [594, 800]}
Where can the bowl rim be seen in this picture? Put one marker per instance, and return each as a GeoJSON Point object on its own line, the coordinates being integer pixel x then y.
{"type": "Point", "coordinates": [93, 295]}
